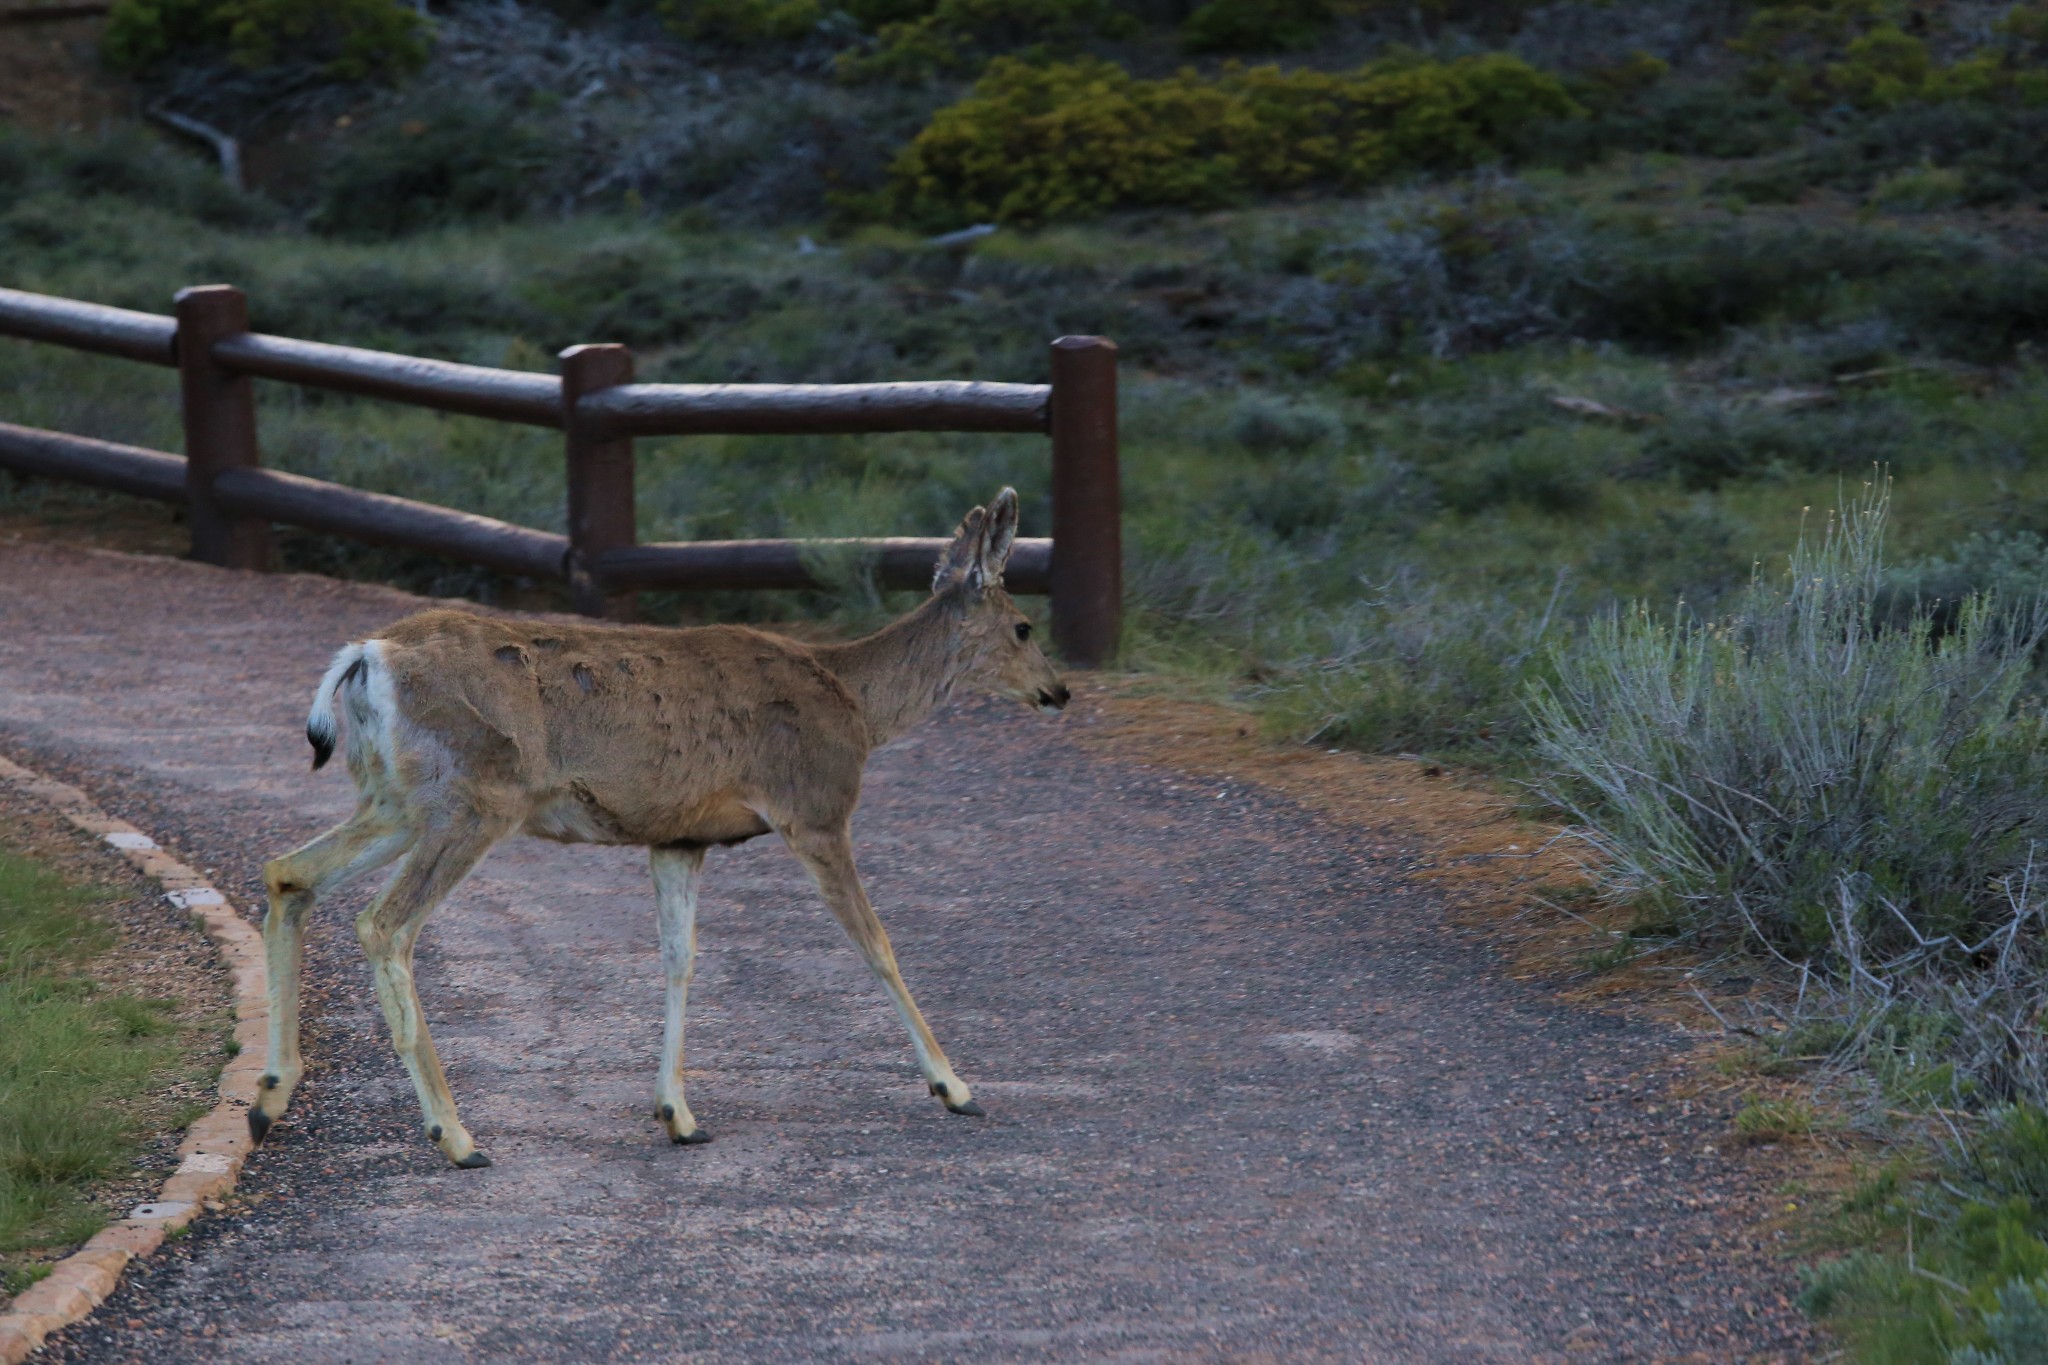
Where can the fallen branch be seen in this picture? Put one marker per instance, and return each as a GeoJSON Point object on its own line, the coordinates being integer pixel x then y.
{"type": "Point", "coordinates": [229, 150]}
{"type": "Point", "coordinates": [1598, 411]}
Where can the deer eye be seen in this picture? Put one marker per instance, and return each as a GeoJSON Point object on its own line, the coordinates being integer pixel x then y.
{"type": "Point", "coordinates": [1023, 630]}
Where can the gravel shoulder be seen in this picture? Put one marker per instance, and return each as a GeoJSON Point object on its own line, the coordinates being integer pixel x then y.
{"type": "Point", "coordinates": [1253, 1091]}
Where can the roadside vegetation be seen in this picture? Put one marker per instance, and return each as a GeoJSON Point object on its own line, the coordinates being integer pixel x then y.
{"type": "Point", "coordinates": [1643, 403]}
{"type": "Point", "coordinates": [88, 1073]}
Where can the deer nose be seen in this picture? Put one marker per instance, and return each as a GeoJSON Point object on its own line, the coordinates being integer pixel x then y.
{"type": "Point", "coordinates": [1056, 697]}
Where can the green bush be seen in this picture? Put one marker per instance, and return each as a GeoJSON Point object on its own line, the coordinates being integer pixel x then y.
{"type": "Point", "coordinates": [1767, 772]}
{"type": "Point", "coordinates": [1973, 1289]}
{"type": "Point", "coordinates": [1822, 52]}
{"type": "Point", "coordinates": [351, 39]}
{"type": "Point", "coordinates": [1266, 425]}
{"type": "Point", "coordinates": [1554, 470]}
{"type": "Point", "coordinates": [960, 35]}
{"type": "Point", "coordinates": [1057, 140]}
{"type": "Point", "coordinates": [1254, 25]}
{"type": "Point", "coordinates": [1691, 117]}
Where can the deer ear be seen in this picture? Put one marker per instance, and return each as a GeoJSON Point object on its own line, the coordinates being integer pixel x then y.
{"type": "Point", "coordinates": [1002, 534]}
{"type": "Point", "coordinates": [964, 554]}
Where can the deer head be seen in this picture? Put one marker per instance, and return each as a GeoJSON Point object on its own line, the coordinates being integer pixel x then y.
{"type": "Point", "coordinates": [996, 650]}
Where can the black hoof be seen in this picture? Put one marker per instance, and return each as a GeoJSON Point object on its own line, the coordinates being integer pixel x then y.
{"type": "Point", "coordinates": [475, 1161]}
{"type": "Point", "coordinates": [259, 1124]}
{"type": "Point", "coordinates": [693, 1138]}
{"type": "Point", "coordinates": [971, 1109]}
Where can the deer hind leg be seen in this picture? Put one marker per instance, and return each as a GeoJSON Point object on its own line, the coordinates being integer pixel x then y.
{"type": "Point", "coordinates": [676, 873]}
{"type": "Point", "coordinates": [363, 843]}
{"type": "Point", "coordinates": [828, 855]}
{"type": "Point", "coordinates": [389, 930]}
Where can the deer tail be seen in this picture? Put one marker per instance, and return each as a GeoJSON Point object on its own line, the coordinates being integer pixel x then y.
{"type": "Point", "coordinates": [320, 731]}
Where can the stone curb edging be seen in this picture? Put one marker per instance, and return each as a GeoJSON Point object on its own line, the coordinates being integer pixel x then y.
{"type": "Point", "coordinates": [215, 1146]}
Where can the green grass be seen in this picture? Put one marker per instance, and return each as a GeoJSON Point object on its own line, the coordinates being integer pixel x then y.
{"type": "Point", "coordinates": [74, 1060]}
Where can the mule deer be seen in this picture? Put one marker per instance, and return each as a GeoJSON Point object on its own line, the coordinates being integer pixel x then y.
{"type": "Point", "coordinates": [464, 728]}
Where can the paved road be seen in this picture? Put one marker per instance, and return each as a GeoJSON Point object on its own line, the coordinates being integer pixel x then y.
{"type": "Point", "coordinates": [1249, 1098]}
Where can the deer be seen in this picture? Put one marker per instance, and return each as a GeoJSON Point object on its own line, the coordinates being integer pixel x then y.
{"type": "Point", "coordinates": [463, 728]}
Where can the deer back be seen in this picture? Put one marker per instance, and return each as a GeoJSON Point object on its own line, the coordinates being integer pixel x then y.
{"type": "Point", "coordinates": [631, 734]}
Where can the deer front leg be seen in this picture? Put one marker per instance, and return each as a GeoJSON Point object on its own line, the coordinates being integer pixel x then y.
{"type": "Point", "coordinates": [828, 855]}
{"type": "Point", "coordinates": [676, 872]}
{"type": "Point", "coordinates": [389, 930]}
{"type": "Point", "coordinates": [363, 843]}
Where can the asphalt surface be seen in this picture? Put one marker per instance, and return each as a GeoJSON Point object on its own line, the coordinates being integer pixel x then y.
{"type": "Point", "coordinates": [1250, 1097]}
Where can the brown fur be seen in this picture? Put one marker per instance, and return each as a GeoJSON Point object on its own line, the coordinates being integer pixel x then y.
{"type": "Point", "coordinates": [671, 738]}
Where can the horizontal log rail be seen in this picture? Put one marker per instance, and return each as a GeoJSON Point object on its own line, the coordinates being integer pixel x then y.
{"type": "Point", "coordinates": [507, 395]}
{"type": "Point", "coordinates": [385, 520]}
{"type": "Point", "coordinates": [124, 469]}
{"type": "Point", "coordinates": [797, 409]}
{"type": "Point", "coordinates": [147, 337]}
{"type": "Point", "coordinates": [232, 500]}
{"type": "Point", "coordinates": [896, 561]}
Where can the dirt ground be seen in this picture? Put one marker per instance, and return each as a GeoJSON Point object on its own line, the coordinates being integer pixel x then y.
{"type": "Point", "coordinates": [50, 74]}
{"type": "Point", "coordinates": [1257, 1087]}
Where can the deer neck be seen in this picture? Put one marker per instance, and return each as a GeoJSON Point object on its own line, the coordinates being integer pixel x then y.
{"type": "Point", "coordinates": [904, 671]}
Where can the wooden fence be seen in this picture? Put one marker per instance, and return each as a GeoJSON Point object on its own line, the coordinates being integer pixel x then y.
{"type": "Point", "coordinates": [231, 500]}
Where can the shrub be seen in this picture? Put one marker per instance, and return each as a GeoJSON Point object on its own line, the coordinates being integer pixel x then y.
{"type": "Point", "coordinates": [1980, 311]}
{"type": "Point", "coordinates": [1686, 117]}
{"type": "Point", "coordinates": [402, 305]}
{"type": "Point", "coordinates": [1254, 25]}
{"type": "Point", "coordinates": [1679, 288]}
{"type": "Point", "coordinates": [1411, 667]}
{"type": "Point", "coordinates": [1820, 52]}
{"type": "Point", "coordinates": [351, 39]}
{"type": "Point", "coordinates": [1265, 425]}
{"type": "Point", "coordinates": [744, 23]}
{"type": "Point", "coordinates": [1758, 772]}
{"type": "Point", "coordinates": [142, 169]}
{"type": "Point", "coordinates": [1707, 445]}
{"type": "Point", "coordinates": [1552, 469]}
{"type": "Point", "coordinates": [1044, 141]}
{"type": "Point", "coordinates": [2016, 1331]}
{"type": "Point", "coordinates": [451, 160]}
{"type": "Point", "coordinates": [1980, 1239]}
{"type": "Point", "coordinates": [959, 35]}
{"type": "Point", "coordinates": [1921, 189]}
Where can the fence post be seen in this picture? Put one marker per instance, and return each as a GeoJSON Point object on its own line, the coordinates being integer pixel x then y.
{"type": "Point", "coordinates": [219, 408]}
{"type": "Point", "coordinates": [600, 480]}
{"type": "Point", "coordinates": [1087, 503]}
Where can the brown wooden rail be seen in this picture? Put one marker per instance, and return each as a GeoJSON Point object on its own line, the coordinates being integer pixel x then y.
{"type": "Point", "coordinates": [232, 500]}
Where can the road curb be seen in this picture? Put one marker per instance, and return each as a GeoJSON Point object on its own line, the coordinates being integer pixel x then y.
{"type": "Point", "coordinates": [215, 1146]}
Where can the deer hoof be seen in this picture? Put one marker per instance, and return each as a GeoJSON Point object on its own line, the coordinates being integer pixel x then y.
{"type": "Point", "coordinates": [691, 1138]}
{"type": "Point", "coordinates": [259, 1124]}
{"type": "Point", "coordinates": [475, 1161]}
{"type": "Point", "coordinates": [971, 1109]}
